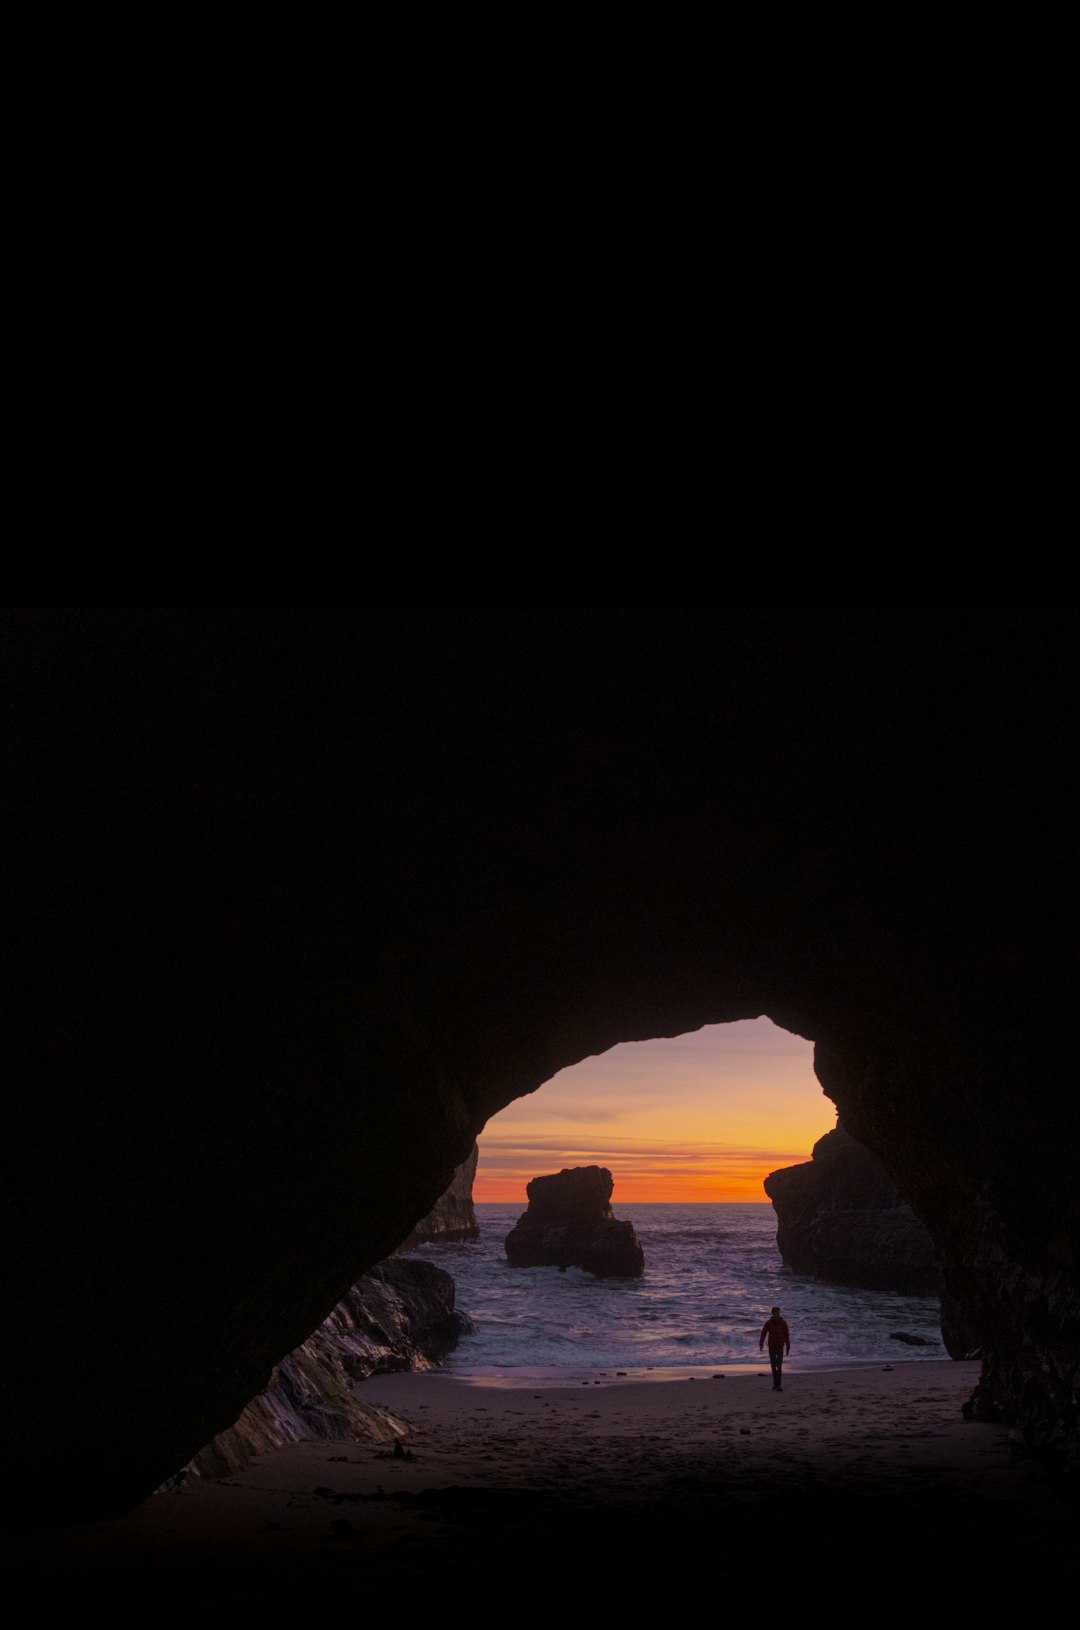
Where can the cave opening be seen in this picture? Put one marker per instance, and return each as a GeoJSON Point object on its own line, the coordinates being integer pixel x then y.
{"type": "Point", "coordinates": [690, 1128]}
{"type": "Point", "coordinates": [702, 1116]}
{"type": "Point", "coordinates": [300, 898]}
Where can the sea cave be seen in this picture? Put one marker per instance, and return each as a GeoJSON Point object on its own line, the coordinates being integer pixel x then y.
{"type": "Point", "coordinates": [298, 899]}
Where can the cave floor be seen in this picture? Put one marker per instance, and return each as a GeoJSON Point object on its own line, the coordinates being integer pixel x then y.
{"type": "Point", "coordinates": [855, 1491]}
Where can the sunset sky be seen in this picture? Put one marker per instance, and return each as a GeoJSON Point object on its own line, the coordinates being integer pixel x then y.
{"type": "Point", "coordinates": [702, 1117]}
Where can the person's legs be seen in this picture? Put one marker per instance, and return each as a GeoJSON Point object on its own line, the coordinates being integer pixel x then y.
{"type": "Point", "coordinates": [776, 1360]}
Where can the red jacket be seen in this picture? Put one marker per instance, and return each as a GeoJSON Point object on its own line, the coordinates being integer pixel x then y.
{"type": "Point", "coordinates": [776, 1333]}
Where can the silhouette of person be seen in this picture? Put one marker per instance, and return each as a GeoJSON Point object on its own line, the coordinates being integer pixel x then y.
{"type": "Point", "coordinates": [775, 1328]}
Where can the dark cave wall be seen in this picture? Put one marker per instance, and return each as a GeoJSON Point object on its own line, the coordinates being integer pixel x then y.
{"type": "Point", "coordinates": [297, 899]}
{"type": "Point", "coordinates": [1002, 1206]}
{"type": "Point", "coordinates": [453, 1216]}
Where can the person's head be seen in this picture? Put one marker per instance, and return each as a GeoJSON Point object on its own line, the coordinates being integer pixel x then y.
{"type": "Point", "coordinates": [776, 1312]}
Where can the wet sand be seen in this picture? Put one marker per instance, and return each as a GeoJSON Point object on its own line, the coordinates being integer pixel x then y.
{"type": "Point", "coordinates": [614, 1494]}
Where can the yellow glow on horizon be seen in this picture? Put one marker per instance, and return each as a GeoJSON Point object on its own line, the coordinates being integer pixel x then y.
{"type": "Point", "coordinates": [510, 1190]}
{"type": "Point", "coordinates": [700, 1117]}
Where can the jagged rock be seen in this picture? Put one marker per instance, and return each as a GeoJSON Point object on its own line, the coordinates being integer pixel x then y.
{"type": "Point", "coordinates": [453, 1216]}
{"type": "Point", "coordinates": [570, 1224]}
{"type": "Point", "coordinates": [840, 1217]}
{"type": "Point", "coordinates": [400, 1316]}
{"type": "Point", "coordinates": [910, 1340]}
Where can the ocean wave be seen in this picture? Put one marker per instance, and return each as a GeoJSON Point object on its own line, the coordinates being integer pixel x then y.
{"type": "Point", "coordinates": [711, 1275]}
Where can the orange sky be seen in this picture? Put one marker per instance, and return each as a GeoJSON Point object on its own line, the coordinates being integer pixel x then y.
{"type": "Point", "coordinates": [705, 1116]}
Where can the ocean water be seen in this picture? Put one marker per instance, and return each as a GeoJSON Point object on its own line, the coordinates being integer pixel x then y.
{"type": "Point", "coordinates": [712, 1273]}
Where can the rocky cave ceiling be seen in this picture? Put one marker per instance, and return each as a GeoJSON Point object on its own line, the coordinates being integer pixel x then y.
{"type": "Point", "coordinates": [298, 898]}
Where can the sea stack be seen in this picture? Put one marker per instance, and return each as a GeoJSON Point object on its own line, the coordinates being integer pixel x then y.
{"type": "Point", "coordinates": [840, 1217]}
{"type": "Point", "coordinates": [570, 1224]}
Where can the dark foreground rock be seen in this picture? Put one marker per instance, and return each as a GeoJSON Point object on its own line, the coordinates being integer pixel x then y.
{"type": "Point", "coordinates": [400, 1316]}
{"type": "Point", "coordinates": [570, 1224]}
{"type": "Point", "coordinates": [956, 1332]}
{"type": "Point", "coordinates": [297, 899]}
{"type": "Point", "coordinates": [453, 1216]}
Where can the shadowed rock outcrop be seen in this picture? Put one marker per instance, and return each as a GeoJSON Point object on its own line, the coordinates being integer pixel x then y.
{"type": "Point", "coordinates": [959, 1338]}
{"type": "Point", "coordinates": [400, 1316]}
{"type": "Point", "coordinates": [570, 1224]}
{"type": "Point", "coordinates": [296, 900]}
{"type": "Point", "coordinates": [840, 1217]}
{"type": "Point", "coordinates": [453, 1216]}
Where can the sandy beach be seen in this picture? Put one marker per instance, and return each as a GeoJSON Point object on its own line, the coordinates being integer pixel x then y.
{"type": "Point", "coordinates": [617, 1492]}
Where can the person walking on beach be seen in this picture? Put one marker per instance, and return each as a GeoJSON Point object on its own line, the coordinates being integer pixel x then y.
{"type": "Point", "coordinates": [775, 1328]}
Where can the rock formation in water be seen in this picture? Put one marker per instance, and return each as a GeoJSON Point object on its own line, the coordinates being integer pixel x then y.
{"type": "Point", "coordinates": [453, 1216]}
{"type": "Point", "coordinates": [840, 1217]}
{"type": "Point", "coordinates": [297, 899]}
{"type": "Point", "coordinates": [400, 1316]}
{"type": "Point", "coordinates": [570, 1224]}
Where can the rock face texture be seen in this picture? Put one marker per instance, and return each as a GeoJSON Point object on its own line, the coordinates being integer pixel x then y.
{"type": "Point", "coordinates": [296, 899]}
{"type": "Point", "coordinates": [400, 1316]}
{"type": "Point", "coordinates": [840, 1217]}
{"type": "Point", "coordinates": [453, 1216]}
{"type": "Point", "coordinates": [959, 1338]}
{"type": "Point", "coordinates": [570, 1224]}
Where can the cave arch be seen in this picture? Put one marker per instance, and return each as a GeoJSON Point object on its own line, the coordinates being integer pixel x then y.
{"type": "Point", "coordinates": [298, 899]}
{"type": "Point", "coordinates": [703, 1116]}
